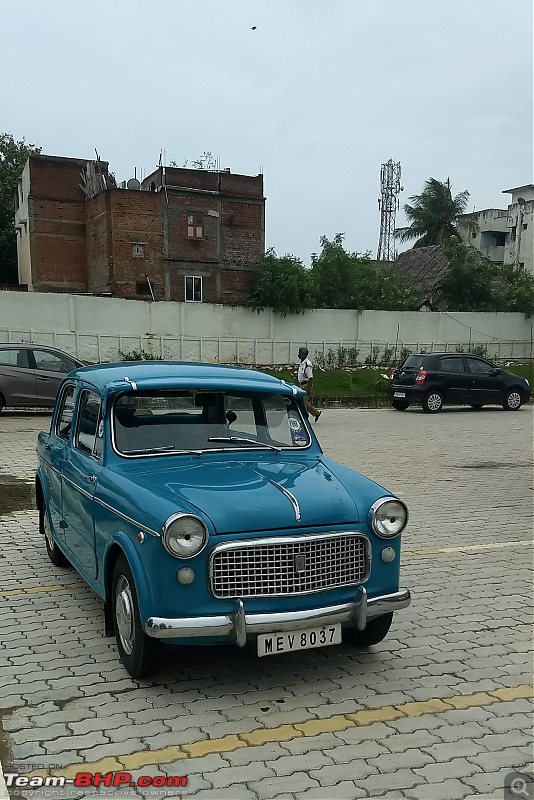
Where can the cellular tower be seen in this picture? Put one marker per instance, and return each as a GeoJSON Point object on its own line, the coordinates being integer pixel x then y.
{"type": "Point", "coordinates": [388, 203]}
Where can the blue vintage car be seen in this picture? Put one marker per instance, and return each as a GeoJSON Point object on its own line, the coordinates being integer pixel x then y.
{"type": "Point", "coordinates": [197, 502]}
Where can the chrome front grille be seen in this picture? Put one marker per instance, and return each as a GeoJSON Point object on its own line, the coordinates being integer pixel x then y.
{"type": "Point", "coordinates": [288, 566]}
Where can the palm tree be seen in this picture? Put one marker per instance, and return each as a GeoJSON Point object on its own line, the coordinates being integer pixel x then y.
{"type": "Point", "coordinates": [436, 215]}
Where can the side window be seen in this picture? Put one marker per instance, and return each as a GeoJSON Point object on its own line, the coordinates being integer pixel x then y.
{"type": "Point", "coordinates": [88, 419]}
{"type": "Point", "coordinates": [479, 367]}
{"type": "Point", "coordinates": [51, 362]}
{"type": "Point", "coordinates": [64, 420]}
{"type": "Point", "coordinates": [451, 365]}
{"type": "Point", "coordinates": [14, 358]}
{"type": "Point", "coordinates": [279, 423]}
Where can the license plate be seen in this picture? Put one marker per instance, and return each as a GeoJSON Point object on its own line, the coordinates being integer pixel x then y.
{"type": "Point", "coordinates": [270, 644]}
{"type": "Point", "coordinates": [399, 394]}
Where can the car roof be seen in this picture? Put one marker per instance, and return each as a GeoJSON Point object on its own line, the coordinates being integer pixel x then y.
{"type": "Point", "coordinates": [445, 353]}
{"type": "Point", "coordinates": [168, 374]}
{"type": "Point", "coordinates": [36, 345]}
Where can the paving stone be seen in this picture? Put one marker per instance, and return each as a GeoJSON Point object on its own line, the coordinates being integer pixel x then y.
{"type": "Point", "coordinates": [285, 765]}
{"type": "Point", "coordinates": [401, 779]}
{"type": "Point", "coordinates": [265, 752]}
{"type": "Point", "coordinates": [446, 790]}
{"type": "Point", "coordinates": [300, 746]}
{"type": "Point", "coordinates": [297, 782]}
{"type": "Point", "coordinates": [454, 768]}
{"type": "Point", "coordinates": [75, 742]}
{"type": "Point", "coordinates": [344, 790]}
{"type": "Point", "coordinates": [411, 758]}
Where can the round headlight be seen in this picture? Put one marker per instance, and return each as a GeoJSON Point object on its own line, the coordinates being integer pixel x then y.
{"type": "Point", "coordinates": [184, 535]}
{"type": "Point", "coordinates": [388, 517]}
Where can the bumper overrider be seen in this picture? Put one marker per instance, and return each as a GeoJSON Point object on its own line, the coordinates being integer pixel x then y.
{"type": "Point", "coordinates": [239, 624]}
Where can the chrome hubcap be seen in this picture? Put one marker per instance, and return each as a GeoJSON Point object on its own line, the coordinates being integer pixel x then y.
{"type": "Point", "coordinates": [514, 401]}
{"type": "Point", "coordinates": [124, 615]}
{"type": "Point", "coordinates": [48, 531]}
{"type": "Point", "coordinates": [434, 402]}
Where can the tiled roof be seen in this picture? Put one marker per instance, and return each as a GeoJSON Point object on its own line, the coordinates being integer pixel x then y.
{"type": "Point", "coordinates": [423, 266]}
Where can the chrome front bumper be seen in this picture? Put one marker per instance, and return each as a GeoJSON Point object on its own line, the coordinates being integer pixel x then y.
{"type": "Point", "coordinates": [239, 624]}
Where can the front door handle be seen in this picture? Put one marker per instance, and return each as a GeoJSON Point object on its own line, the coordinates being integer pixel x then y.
{"type": "Point", "coordinates": [90, 478]}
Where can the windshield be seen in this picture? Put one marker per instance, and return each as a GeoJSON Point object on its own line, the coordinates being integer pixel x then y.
{"type": "Point", "coordinates": [160, 422]}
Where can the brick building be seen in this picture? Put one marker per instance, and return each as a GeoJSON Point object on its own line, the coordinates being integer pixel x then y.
{"type": "Point", "coordinates": [195, 234]}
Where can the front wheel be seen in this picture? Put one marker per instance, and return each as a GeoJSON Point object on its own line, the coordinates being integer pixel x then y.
{"type": "Point", "coordinates": [138, 652]}
{"type": "Point", "coordinates": [433, 402]}
{"type": "Point", "coordinates": [399, 405]}
{"type": "Point", "coordinates": [54, 553]}
{"type": "Point", "coordinates": [512, 400]}
{"type": "Point", "coordinates": [373, 633]}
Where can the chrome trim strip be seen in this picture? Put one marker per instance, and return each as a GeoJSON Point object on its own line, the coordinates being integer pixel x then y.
{"type": "Point", "coordinates": [292, 499]}
{"type": "Point", "coordinates": [127, 518]}
{"type": "Point", "coordinates": [75, 485]}
{"type": "Point", "coordinates": [240, 624]}
{"type": "Point", "coordinates": [290, 540]}
{"type": "Point", "coordinates": [132, 383]}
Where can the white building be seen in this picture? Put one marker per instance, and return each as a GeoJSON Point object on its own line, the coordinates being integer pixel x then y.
{"type": "Point", "coordinates": [506, 236]}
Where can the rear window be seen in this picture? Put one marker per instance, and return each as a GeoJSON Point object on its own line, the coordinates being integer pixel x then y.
{"type": "Point", "coordinates": [416, 362]}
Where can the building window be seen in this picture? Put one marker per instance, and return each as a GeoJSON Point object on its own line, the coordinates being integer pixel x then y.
{"type": "Point", "coordinates": [138, 250]}
{"type": "Point", "coordinates": [142, 288]}
{"type": "Point", "coordinates": [513, 231]}
{"type": "Point", "coordinates": [195, 225]}
{"type": "Point", "coordinates": [193, 289]}
{"type": "Point", "coordinates": [525, 225]}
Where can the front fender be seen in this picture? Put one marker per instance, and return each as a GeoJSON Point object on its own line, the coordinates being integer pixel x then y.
{"type": "Point", "coordinates": [121, 540]}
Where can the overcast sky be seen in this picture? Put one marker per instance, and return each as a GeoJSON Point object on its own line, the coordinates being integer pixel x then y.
{"type": "Point", "coordinates": [317, 97]}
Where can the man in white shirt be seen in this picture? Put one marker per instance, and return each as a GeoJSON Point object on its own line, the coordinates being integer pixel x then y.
{"type": "Point", "coordinates": [305, 378]}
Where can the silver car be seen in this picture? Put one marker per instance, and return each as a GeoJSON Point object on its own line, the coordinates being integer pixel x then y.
{"type": "Point", "coordinates": [30, 374]}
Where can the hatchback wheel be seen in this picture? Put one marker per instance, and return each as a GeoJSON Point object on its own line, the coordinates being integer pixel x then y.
{"type": "Point", "coordinates": [512, 401]}
{"type": "Point", "coordinates": [433, 402]}
{"type": "Point", "coordinates": [399, 405]}
{"type": "Point", "coordinates": [138, 652]}
{"type": "Point", "coordinates": [54, 553]}
{"type": "Point", "coordinates": [373, 633]}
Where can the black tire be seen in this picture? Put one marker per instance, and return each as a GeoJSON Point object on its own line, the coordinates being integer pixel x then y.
{"type": "Point", "coordinates": [433, 402]}
{"type": "Point", "coordinates": [476, 406]}
{"type": "Point", "coordinates": [138, 652]}
{"type": "Point", "coordinates": [512, 400]}
{"type": "Point", "coordinates": [373, 633]}
{"type": "Point", "coordinates": [398, 405]}
{"type": "Point", "coordinates": [54, 553]}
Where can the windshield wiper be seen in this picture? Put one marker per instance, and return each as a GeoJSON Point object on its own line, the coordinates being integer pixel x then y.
{"type": "Point", "coordinates": [244, 439]}
{"type": "Point", "coordinates": [166, 449]}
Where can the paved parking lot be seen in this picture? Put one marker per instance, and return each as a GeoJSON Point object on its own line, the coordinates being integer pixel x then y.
{"type": "Point", "coordinates": [440, 709]}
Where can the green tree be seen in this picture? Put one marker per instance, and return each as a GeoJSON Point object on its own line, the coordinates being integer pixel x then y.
{"type": "Point", "coordinates": [341, 279]}
{"type": "Point", "coordinates": [468, 284]}
{"type": "Point", "coordinates": [435, 215]}
{"type": "Point", "coordinates": [474, 284]}
{"type": "Point", "coordinates": [13, 156]}
{"type": "Point", "coordinates": [283, 285]}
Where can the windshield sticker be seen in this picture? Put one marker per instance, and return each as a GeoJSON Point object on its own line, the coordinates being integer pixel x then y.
{"type": "Point", "coordinates": [294, 424]}
{"type": "Point", "coordinates": [100, 429]}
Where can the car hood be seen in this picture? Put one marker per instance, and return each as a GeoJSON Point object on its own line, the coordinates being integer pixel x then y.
{"type": "Point", "coordinates": [241, 496]}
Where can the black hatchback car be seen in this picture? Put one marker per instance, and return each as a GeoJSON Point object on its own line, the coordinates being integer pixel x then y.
{"type": "Point", "coordinates": [433, 380]}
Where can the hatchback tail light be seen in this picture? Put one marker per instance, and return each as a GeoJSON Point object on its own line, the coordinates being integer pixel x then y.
{"type": "Point", "coordinates": [421, 377]}
{"type": "Point", "coordinates": [392, 374]}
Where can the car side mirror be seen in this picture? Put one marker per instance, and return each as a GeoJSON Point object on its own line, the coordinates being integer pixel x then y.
{"type": "Point", "coordinates": [495, 372]}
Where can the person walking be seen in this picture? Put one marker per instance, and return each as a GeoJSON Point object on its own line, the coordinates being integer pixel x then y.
{"type": "Point", "coordinates": [305, 379]}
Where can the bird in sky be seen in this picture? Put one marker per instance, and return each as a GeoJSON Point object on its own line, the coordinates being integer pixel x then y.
{"type": "Point", "coordinates": [253, 28]}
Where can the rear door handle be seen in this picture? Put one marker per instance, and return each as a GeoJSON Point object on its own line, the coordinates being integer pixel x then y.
{"type": "Point", "coordinates": [90, 478]}
{"type": "Point", "coordinates": [41, 378]}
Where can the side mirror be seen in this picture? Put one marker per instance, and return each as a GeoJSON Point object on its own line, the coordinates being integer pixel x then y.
{"type": "Point", "coordinates": [495, 372]}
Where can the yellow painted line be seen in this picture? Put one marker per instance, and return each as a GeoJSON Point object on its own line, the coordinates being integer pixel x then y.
{"type": "Point", "coordinates": [56, 587]}
{"type": "Point", "coordinates": [464, 548]}
{"type": "Point", "coordinates": [283, 733]}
